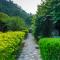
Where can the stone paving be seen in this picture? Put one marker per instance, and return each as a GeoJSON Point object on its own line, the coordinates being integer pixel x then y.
{"type": "Point", "coordinates": [29, 51]}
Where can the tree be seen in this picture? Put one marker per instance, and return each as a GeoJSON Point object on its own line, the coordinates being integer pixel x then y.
{"type": "Point", "coordinates": [11, 23]}
{"type": "Point", "coordinates": [47, 8]}
{"type": "Point", "coordinates": [12, 9]}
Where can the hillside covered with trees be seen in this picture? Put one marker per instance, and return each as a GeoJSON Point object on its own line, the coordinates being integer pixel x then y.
{"type": "Point", "coordinates": [11, 9]}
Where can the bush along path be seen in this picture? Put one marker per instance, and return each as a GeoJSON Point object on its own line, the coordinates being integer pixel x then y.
{"type": "Point", "coordinates": [29, 51]}
{"type": "Point", "coordinates": [10, 42]}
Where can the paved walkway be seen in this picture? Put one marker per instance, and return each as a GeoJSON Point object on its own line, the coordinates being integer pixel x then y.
{"type": "Point", "coordinates": [29, 51]}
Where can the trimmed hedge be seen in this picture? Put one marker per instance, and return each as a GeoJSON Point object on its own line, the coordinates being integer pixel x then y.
{"type": "Point", "coordinates": [9, 43]}
{"type": "Point", "coordinates": [50, 48]}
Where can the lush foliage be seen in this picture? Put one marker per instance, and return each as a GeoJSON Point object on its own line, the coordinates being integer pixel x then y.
{"type": "Point", "coordinates": [8, 7]}
{"type": "Point", "coordinates": [9, 43]}
{"type": "Point", "coordinates": [50, 48]}
{"type": "Point", "coordinates": [11, 23]}
{"type": "Point", "coordinates": [48, 13]}
{"type": "Point", "coordinates": [12, 18]}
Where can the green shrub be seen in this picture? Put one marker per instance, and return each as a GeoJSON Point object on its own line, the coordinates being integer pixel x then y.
{"type": "Point", "coordinates": [26, 32]}
{"type": "Point", "coordinates": [14, 23]}
{"type": "Point", "coordinates": [50, 48]}
{"type": "Point", "coordinates": [9, 43]}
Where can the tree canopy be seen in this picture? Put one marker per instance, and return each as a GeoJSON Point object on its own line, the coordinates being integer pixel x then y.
{"type": "Point", "coordinates": [48, 13]}
{"type": "Point", "coordinates": [11, 23]}
{"type": "Point", "coordinates": [8, 7]}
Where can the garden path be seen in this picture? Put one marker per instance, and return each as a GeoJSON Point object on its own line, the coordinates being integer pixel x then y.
{"type": "Point", "coordinates": [30, 52]}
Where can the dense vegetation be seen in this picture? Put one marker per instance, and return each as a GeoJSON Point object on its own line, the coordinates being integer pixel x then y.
{"type": "Point", "coordinates": [50, 48]}
{"type": "Point", "coordinates": [8, 23]}
{"type": "Point", "coordinates": [10, 43]}
{"type": "Point", "coordinates": [46, 24]}
{"type": "Point", "coordinates": [14, 23]}
{"type": "Point", "coordinates": [47, 17]}
{"type": "Point", "coordinates": [8, 7]}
